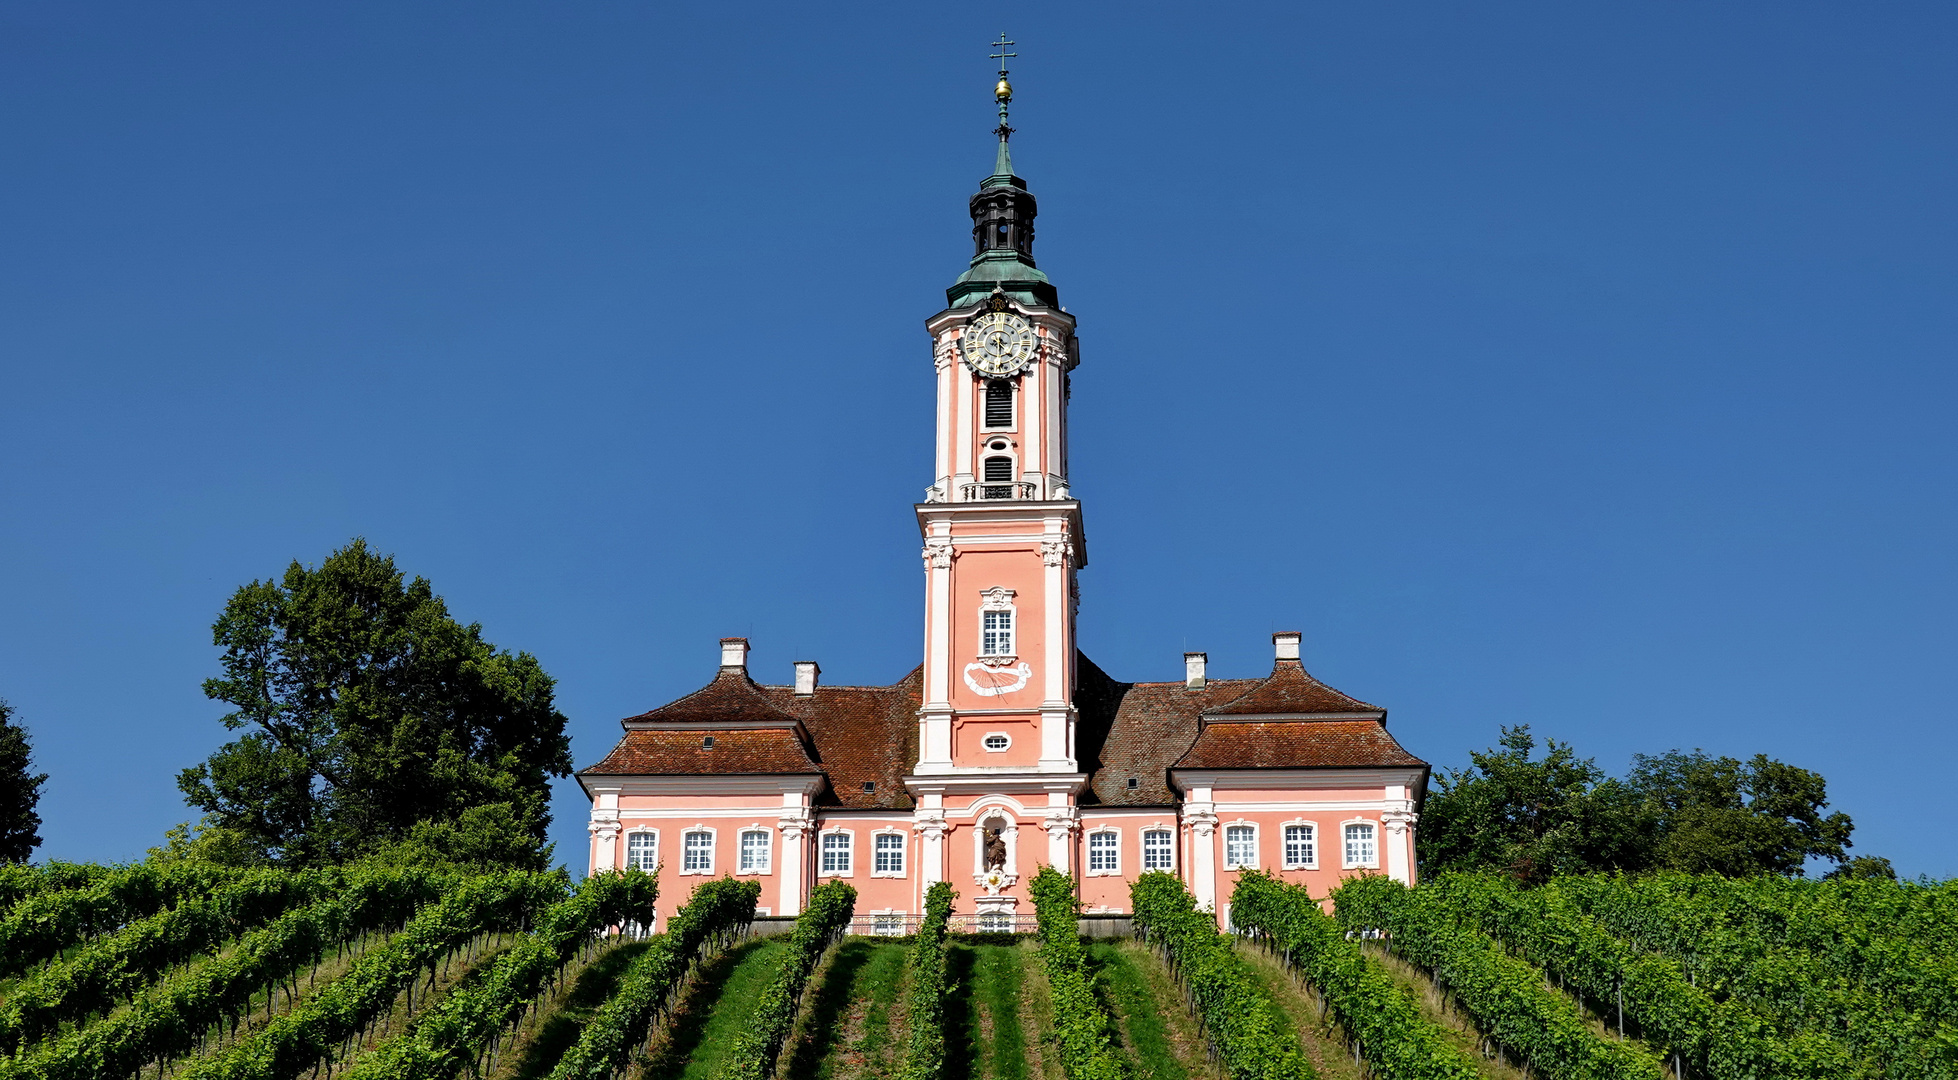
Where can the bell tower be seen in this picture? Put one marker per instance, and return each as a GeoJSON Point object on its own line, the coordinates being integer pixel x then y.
{"type": "Point", "coordinates": [1002, 533]}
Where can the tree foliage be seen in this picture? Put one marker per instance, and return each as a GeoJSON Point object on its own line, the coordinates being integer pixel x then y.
{"type": "Point", "coordinates": [375, 726]}
{"type": "Point", "coordinates": [1535, 817]}
{"type": "Point", "coordinates": [20, 791]}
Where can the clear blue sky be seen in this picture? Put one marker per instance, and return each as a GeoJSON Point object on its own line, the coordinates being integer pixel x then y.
{"type": "Point", "coordinates": [1585, 366]}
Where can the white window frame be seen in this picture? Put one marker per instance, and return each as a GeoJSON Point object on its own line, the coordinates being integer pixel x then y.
{"type": "Point", "coordinates": [849, 853]}
{"type": "Point", "coordinates": [767, 851]}
{"type": "Point", "coordinates": [1285, 844]}
{"type": "Point", "coordinates": [1344, 848]}
{"type": "Point", "coordinates": [1236, 864]}
{"type": "Point", "coordinates": [1170, 847]}
{"type": "Point", "coordinates": [1116, 854]}
{"type": "Point", "coordinates": [996, 601]}
{"type": "Point", "coordinates": [903, 854]}
{"type": "Point", "coordinates": [654, 835]}
{"type": "Point", "coordinates": [713, 842]}
{"type": "Point", "coordinates": [986, 740]}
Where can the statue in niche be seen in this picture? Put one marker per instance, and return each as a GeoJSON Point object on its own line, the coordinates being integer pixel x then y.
{"type": "Point", "coordinates": [995, 849]}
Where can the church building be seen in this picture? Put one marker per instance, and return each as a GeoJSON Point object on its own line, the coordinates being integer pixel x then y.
{"type": "Point", "coordinates": [1006, 748]}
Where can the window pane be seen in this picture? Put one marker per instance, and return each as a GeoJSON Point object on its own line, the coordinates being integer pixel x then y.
{"type": "Point", "coordinates": [1298, 845]}
{"type": "Point", "coordinates": [1238, 846]}
{"type": "Point", "coordinates": [889, 854]}
{"type": "Point", "coordinates": [1359, 845]}
{"type": "Point", "coordinates": [699, 854]}
{"type": "Point", "coordinates": [754, 852]}
{"type": "Point", "coordinates": [640, 853]}
{"type": "Point", "coordinates": [1102, 848]}
{"type": "Point", "coordinates": [1156, 850]}
{"type": "Point", "coordinates": [836, 853]}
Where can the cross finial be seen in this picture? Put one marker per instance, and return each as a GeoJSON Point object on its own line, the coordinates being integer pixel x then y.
{"type": "Point", "coordinates": [1002, 55]}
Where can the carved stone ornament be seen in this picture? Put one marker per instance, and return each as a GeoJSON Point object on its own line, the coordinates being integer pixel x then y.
{"type": "Point", "coordinates": [945, 351]}
{"type": "Point", "coordinates": [938, 554]}
{"type": "Point", "coordinates": [1057, 552]}
{"type": "Point", "coordinates": [930, 824]}
{"type": "Point", "coordinates": [997, 598]}
{"type": "Point", "coordinates": [1398, 821]}
{"type": "Point", "coordinates": [794, 823]}
{"type": "Point", "coordinates": [1061, 821]}
{"type": "Point", "coordinates": [1201, 822]}
{"type": "Point", "coordinates": [606, 829]}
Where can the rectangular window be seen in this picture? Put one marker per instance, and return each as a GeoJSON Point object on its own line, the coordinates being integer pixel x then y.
{"type": "Point", "coordinates": [1240, 846]}
{"type": "Point", "coordinates": [1298, 847]}
{"type": "Point", "coordinates": [641, 851]}
{"type": "Point", "coordinates": [887, 854]}
{"type": "Point", "coordinates": [698, 853]}
{"type": "Point", "coordinates": [1359, 845]}
{"type": "Point", "coordinates": [998, 634]}
{"type": "Point", "coordinates": [1158, 850]}
{"type": "Point", "coordinates": [999, 404]}
{"type": "Point", "coordinates": [754, 852]}
{"type": "Point", "coordinates": [1104, 850]}
{"type": "Point", "coordinates": [836, 853]}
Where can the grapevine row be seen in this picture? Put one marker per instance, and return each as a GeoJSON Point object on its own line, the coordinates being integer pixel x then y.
{"type": "Point", "coordinates": [1252, 1038]}
{"type": "Point", "coordinates": [297, 1041]}
{"type": "Point", "coordinates": [173, 1017]}
{"type": "Point", "coordinates": [455, 1032]}
{"type": "Point", "coordinates": [1083, 1028]}
{"type": "Point", "coordinates": [752, 1057]}
{"type": "Point", "coordinates": [925, 1000]}
{"type": "Point", "coordinates": [712, 915]}
{"type": "Point", "coordinates": [45, 923]}
{"type": "Point", "coordinates": [1506, 996]}
{"type": "Point", "coordinates": [1396, 1040]}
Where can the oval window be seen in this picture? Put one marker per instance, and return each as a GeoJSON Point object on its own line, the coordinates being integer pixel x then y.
{"type": "Point", "coordinates": [996, 742]}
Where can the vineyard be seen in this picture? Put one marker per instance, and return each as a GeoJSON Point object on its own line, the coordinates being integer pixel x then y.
{"type": "Point", "coordinates": [206, 974]}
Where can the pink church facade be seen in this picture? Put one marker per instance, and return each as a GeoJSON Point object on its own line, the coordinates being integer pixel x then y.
{"type": "Point", "coordinates": [1006, 748]}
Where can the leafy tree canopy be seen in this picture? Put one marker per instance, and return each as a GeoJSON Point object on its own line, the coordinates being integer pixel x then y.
{"type": "Point", "coordinates": [1537, 816]}
{"type": "Point", "coordinates": [375, 727]}
{"type": "Point", "coordinates": [20, 791]}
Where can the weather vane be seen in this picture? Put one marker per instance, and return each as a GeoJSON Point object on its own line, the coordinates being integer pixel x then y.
{"type": "Point", "coordinates": [1004, 91]}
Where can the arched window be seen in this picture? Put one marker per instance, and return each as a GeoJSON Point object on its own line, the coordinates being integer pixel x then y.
{"type": "Point", "coordinates": [697, 852]}
{"type": "Point", "coordinates": [1105, 852]}
{"type": "Point", "coordinates": [1240, 847]}
{"type": "Point", "coordinates": [999, 405]}
{"type": "Point", "coordinates": [642, 851]}
{"type": "Point", "coordinates": [1300, 850]}
{"type": "Point", "coordinates": [754, 851]}
{"type": "Point", "coordinates": [1158, 850]}
{"type": "Point", "coordinates": [1360, 850]}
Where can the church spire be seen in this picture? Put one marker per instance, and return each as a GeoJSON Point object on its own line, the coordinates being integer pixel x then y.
{"type": "Point", "coordinates": [1002, 221]}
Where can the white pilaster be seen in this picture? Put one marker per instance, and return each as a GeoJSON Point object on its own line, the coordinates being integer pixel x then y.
{"type": "Point", "coordinates": [928, 820]}
{"type": "Point", "coordinates": [1200, 819]}
{"type": "Point", "coordinates": [797, 824]}
{"type": "Point", "coordinates": [1061, 821]}
{"type": "Point", "coordinates": [1398, 819]}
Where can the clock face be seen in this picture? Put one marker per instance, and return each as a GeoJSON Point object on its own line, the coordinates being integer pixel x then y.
{"type": "Point", "coordinates": [998, 344]}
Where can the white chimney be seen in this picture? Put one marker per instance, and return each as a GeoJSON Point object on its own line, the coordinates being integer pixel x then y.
{"type": "Point", "coordinates": [806, 672]}
{"type": "Point", "coordinates": [1286, 644]}
{"type": "Point", "coordinates": [734, 653]}
{"type": "Point", "coordinates": [1193, 669]}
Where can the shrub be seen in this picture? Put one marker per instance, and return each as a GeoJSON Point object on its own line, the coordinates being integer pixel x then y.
{"type": "Point", "coordinates": [925, 1001]}
{"type": "Point", "coordinates": [1084, 1029]}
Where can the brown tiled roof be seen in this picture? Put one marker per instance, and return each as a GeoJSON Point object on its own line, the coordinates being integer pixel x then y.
{"type": "Point", "coordinates": [862, 733]}
{"type": "Point", "coordinates": [1297, 744]}
{"type": "Point", "coordinates": [1138, 730]}
{"type": "Point", "coordinates": [732, 698]}
{"type": "Point", "coordinates": [1290, 689]}
{"type": "Point", "coordinates": [684, 753]}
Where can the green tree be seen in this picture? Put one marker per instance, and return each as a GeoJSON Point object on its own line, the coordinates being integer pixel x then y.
{"type": "Point", "coordinates": [1531, 816]}
{"type": "Point", "coordinates": [1720, 815]}
{"type": "Point", "coordinates": [376, 726]}
{"type": "Point", "coordinates": [20, 792]}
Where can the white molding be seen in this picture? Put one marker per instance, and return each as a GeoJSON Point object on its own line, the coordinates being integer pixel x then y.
{"type": "Point", "coordinates": [984, 739]}
{"type": "Point", "coordinates": [627, 785]}
{"type": "Point", "coordinates": [1308, 779]}
{"type": "Point", "coordinates": [903, 853]}
{"type": "Point", "coordinates": [625, 861]}
{"type": "Point", "coordinates": [713, 844]}
{"type": "Point", "coordinates": [850, 851]}
{"type": "Point", "coordinates": [1142, 846]}
{"type": "Point", "coordinates": [1088, 849]}
{"type": "Point", "coordinates": [1344, 863]}
{"type": "Point", "coordinates": [1284, 858]}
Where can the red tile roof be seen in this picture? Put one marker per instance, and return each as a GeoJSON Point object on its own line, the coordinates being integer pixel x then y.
{"type": "Point", "coordinates": [1297, 744]}
{"type": "Point", "coordinates": [1290, 689]}
{"type": "Point", "coordinates": [684, 753]}
{"type": "Point", "coordinates": [862, 733]}
{"type": "Point", "coordinates": [732, 698]}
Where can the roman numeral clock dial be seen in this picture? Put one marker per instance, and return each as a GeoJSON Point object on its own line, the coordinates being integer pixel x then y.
{"type": "Point", "coordinates": [998, 344]}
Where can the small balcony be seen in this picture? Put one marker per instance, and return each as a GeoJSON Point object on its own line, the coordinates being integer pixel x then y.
{"type": "Point", "coordinates": [997, 490]}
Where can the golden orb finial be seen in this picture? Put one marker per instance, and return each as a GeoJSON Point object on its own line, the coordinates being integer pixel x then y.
{"type": "Point", "coordinates": [1004, 91]}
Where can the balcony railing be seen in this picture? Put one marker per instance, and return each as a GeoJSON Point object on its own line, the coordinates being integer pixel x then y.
{"type": "Point", "coordinates": [996, 490]}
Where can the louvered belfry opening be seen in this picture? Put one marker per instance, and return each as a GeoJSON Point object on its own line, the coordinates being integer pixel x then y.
{"type": "Point", "coordinates": [999, 403]}
{"type": "Point", "coordinates": [999, 469]}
